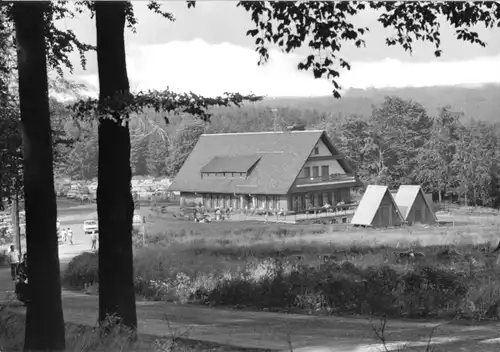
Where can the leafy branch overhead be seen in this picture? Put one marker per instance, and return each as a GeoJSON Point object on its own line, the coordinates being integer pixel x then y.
{"type": "Point", "coordinates": [61, 43]}
{"type": "Point", "coordinates": [324, 26]}
{"type": "Point", "coordinates": [161, 101]}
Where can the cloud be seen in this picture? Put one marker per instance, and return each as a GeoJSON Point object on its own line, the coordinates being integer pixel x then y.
{"type": "Point", "coordinates": [211, 69]}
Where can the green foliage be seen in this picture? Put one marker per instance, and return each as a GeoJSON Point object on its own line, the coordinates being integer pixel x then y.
{"type": "Point", "coordinates": [157, 155]}
{"type": "Point", "coordinates": [10, 138]}
{"type": "Point", "coordinates": [185, 138]}
{"type": "Point", "coordinates": [59, 43]}
{"type": "Point", "coordinates": [353, 280]}
{"type": "Point", "coordinates": [81, 162]}
{"type": "Point", "coordinates": [10, 151]}
{"type": "Point", "coordinates": [401, 144]}
{"type": "Point", "coordinates": [138, 154]}
{"type": "Point", "coordinates": [161, 101]}
{"type": "Point", "coordinates": [82, 269]}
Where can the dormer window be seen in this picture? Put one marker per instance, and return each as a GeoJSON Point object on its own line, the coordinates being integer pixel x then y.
{"type": "Point", "coordinates": [230, 166]}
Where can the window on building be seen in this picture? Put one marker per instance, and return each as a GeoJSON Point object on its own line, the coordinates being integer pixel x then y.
{"type": "Point", "coordinates": [325, 199]}
{"type": "Point", "coordinates": [325, 171]}
{"type": "Point", "coordinates": [316, 200]}
{"type": "Point", "coordinates": [307, 172]}
{"type": "Point", "coordinates": [259, 202]}
{"type": "Point", "coordinates": [316, 150]}
{"type": "Point", "coordinates": [308, 200]}
{"type": "Point", "coordinates": [270, 202]}
{"type": "Point", "coordinates": [315, 171]}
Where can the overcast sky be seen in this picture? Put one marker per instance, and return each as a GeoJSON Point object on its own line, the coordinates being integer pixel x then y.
{"type": "Point", "coordinates": [206, 51]}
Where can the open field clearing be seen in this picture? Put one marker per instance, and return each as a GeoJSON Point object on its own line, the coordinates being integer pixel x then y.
{"type": "Point", "coordinates": [445, 271]}
{"type": "Point", "coordinates": [460, 228]}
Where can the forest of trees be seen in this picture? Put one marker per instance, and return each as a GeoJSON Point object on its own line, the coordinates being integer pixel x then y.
{"type": "Point", "coordinates": [400, 142]}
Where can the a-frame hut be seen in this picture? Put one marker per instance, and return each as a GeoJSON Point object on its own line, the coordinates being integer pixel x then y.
{"type": "Point", "coordinates": [414, 205]}
{"type": "Point", "coordinates": [377, 208]}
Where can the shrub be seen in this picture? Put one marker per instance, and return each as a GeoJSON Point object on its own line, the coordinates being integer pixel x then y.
{"type": "Point", "coordinates": [82, 269]}
{"type": "Point", "coordinates": [343, 288]}
{"type": "Point", "coordinates": [185, 267]}
{"type": "Point", "coordinates": [3, 256]}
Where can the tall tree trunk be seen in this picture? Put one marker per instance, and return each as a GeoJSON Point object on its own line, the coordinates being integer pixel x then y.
{"type": "Point", "coordinates": [44, 317]}
{"type": "Point", "coordinates": [115, 206]}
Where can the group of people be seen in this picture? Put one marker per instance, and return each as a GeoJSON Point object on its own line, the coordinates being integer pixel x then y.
{"type": "Point", "coordinates": [67, 235]}
{"type": "Point", "coordinates": [220, 214]}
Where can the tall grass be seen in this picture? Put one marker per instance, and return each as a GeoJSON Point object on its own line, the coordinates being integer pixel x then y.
{"type": "Point", "coordinates": [335, 271]}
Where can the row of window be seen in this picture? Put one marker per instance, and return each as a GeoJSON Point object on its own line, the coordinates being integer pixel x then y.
{"type": "Point", "coordinates": [224, 174]}
{"type": "Point", "coordinates": [226, 201]}
{"type": "Point", "coordinates": [325, 171]}
{"type": "Point", "coordinates": [316, 200]}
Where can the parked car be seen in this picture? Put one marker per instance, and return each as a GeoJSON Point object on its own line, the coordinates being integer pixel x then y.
{"type": "Point", "coordinates": [71, 194]}
{"type": "Point", "coordinates": [65, 189]}
{"type": "Point", "coordinates": [91, 232]}
{"type": "Point", "coordinates": [90, 225]}
{"type": "Point", "coordinates": [137, 221]}
{"type": "Point", "coordinates": [145, 194]}
{"type": "Point", "coordinates": [82, 196]}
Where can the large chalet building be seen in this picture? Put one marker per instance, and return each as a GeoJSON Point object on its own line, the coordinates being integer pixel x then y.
{"type": "Point", "coordinates": [290, 170]}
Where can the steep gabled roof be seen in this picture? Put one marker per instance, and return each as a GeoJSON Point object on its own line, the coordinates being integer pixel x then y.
{"type": "Point", "coordinates": [282, 156]}
{"type": "Point", "coordinates": [406, 196]}
{"type": "Point", "coordinates": [370, 203]}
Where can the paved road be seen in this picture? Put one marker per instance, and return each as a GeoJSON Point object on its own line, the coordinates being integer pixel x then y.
{"type": "Point", "coordinates": [260, 329]}
{"type": "Point", "coordinates": [81, 243]}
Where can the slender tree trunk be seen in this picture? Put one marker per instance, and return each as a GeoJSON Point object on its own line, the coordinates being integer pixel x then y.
{"type": "Point", "coordinates": [115, 206]}
{"type": "Point", "coordinates": [44, 317]}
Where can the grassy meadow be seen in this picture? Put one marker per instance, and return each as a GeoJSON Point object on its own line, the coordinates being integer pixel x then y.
{"type": "Point", "coordinates": [445, 271]}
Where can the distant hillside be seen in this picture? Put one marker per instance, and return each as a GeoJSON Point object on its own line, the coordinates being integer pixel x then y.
{"type": "Point", "coordinates": [480, 103]}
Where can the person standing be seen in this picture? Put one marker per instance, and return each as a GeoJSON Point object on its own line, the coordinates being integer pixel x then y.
{"type": "Point", "coordinates": [13, 258]}
{"type": "Point", "coordinates": [21, 286]}
{"type": "Point", "coordinates": [93, 238]}
{"type": "Point", "coordinates": [69, 234]}
{"type": "Point", "coordinates": [64, 235]}
{"type": "Point", "coordinates": [22, 269]}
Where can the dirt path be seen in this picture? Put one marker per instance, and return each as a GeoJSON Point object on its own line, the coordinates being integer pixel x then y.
{"type": "Point", "coordinates": [275, 331]}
